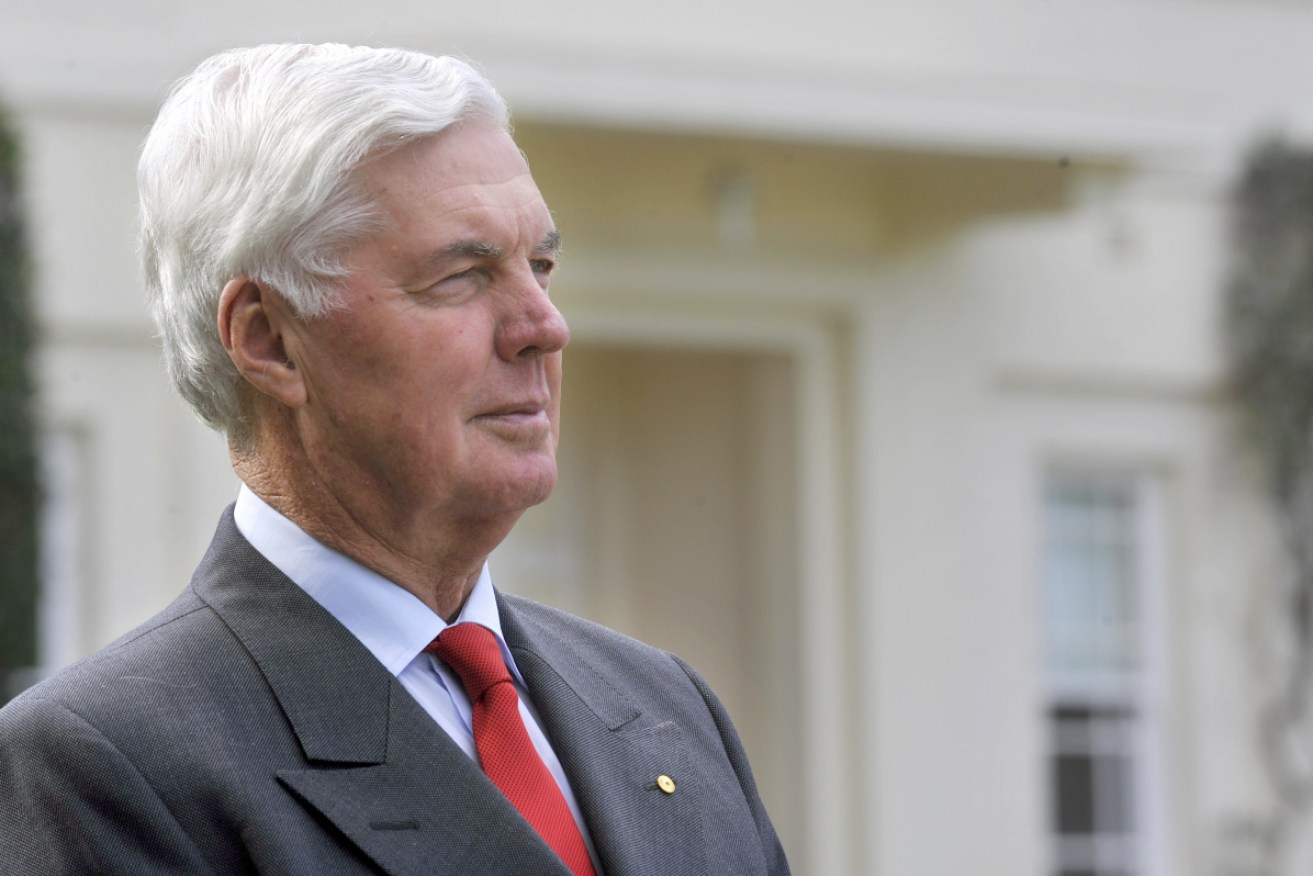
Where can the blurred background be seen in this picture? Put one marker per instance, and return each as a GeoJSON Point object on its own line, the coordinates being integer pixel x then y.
{"type": "Point", "coordinates": [904, 399]}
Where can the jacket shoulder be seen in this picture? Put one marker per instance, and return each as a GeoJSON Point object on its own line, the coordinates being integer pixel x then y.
{"type": "Point", "coordinates": [157, 643]}
{"type": "Point", "coordinates": [543, 623]}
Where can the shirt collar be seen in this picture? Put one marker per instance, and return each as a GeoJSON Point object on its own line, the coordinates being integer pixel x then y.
{"type": "Point", "coordinates": [387, 619]}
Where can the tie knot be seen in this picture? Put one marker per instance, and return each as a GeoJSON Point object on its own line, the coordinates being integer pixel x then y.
{"type": "Point", "coordinates": [473, 653]}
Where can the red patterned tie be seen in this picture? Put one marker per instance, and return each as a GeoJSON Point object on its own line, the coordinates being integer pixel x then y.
{"type": "Point", "coordinates": [505, 751]}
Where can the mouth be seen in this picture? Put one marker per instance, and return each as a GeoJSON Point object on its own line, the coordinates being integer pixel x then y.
{"type": "Point", "coordinates": [531, 408]}
{"type": "Point", "coordinates": [518, 417]}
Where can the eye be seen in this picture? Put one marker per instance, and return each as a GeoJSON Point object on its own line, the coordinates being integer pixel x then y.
{"type": "Point", "coordinates": [461, 282]}
{"type": "Point", "coordinates": [459, 275]}
{"type": "Point", "coordinates": [542, 266]}
{"type": "Point", "coordinates": [454, 288]}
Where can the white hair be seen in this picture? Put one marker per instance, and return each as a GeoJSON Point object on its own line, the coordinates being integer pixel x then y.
{"type": "Point", "coordinates": [248, 172]}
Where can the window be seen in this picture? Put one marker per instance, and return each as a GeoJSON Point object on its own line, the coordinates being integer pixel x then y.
{"type": "Point", "coordinates": [61, 606]}
{"type": "Point", "coordinates": [1099, 571]}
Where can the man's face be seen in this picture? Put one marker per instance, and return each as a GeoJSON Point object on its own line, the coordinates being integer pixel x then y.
{"type": "Point", "coordinates": [435, 388]}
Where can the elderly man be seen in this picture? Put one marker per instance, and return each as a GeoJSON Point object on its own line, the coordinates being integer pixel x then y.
{"type": "Point", "coordinates": [349, 262]}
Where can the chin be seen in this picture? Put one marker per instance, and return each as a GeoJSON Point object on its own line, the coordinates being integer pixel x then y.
{"type": "Point", "coordinates": [540, 491]}
{"type": "Point", "coordinates": [528, 487]}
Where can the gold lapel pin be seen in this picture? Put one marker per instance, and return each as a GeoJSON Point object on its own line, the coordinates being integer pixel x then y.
{"type": "Point", "coordinates": [666, 784]}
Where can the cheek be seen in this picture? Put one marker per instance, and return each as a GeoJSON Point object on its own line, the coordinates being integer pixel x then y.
{"type": "Point", "coordinates": [342, 353]}
{"type": "Point", "coordinates": [431, 395]}
{"type": "Point", "coordinates": [554, 372]}
{"type": "Point", "coordinates": [416, 375]}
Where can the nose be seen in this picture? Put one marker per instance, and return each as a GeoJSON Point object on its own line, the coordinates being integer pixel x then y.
{"type": "Point", "coordinates": [532, 326]}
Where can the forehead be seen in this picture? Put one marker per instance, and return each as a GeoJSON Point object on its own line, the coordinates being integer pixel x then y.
{"type": "Point", "coordinates": [465, 167]}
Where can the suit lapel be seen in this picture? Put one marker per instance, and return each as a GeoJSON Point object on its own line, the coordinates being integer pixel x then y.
{"type": "Point", "coordinates": [612, 757]}
{"type": "Point", "coordinates": [374, 764]}
{"type": "Point", "coordinates": [428, 809]}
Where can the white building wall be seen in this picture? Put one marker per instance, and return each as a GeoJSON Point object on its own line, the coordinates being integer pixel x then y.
{"type": "Point", "coordinates": [149, 472]}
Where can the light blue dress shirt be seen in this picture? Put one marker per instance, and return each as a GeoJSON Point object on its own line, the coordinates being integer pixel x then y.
{"type": "Point", "coordinates": [395, 626]}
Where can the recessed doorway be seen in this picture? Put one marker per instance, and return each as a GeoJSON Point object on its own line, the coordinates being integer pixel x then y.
{"type": "Point", "coordinates": [675, 521]}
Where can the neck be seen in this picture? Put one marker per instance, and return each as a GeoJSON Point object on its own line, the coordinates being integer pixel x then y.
{"type": "Point", "coordinates": [437, 558]}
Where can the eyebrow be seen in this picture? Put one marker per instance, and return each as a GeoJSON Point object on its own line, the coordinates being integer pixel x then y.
{"type": "Point", "coordinates": [551, 242]}
{"type": "Point", "coordinates": [479, 249]}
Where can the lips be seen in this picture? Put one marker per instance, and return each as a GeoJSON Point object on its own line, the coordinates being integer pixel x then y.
{"type": "Point", "coordinates": [520, 421]}
{"type": "Point", "coordinates": [515, 409]}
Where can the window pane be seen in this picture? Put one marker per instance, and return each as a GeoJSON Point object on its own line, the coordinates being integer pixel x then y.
{"type": "Point", "coordinates": [1113, 781]}
{"type": "Point", "coordinates": [1091, 580]}
{"type": "Point", "coordinates": [1074, 776]}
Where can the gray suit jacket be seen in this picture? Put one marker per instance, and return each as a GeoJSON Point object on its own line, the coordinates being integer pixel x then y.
{"type": "Point", "coordinates": [244, 730]}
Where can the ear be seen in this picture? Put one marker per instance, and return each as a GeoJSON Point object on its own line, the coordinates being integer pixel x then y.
{"type": "Point", "coordinates": [253, 321]}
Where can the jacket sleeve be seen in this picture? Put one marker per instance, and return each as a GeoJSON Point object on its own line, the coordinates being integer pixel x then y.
{"type": "Point", "coordinates": [776, 865]}
{"type": "Point", "coordinates": [72, 803]}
